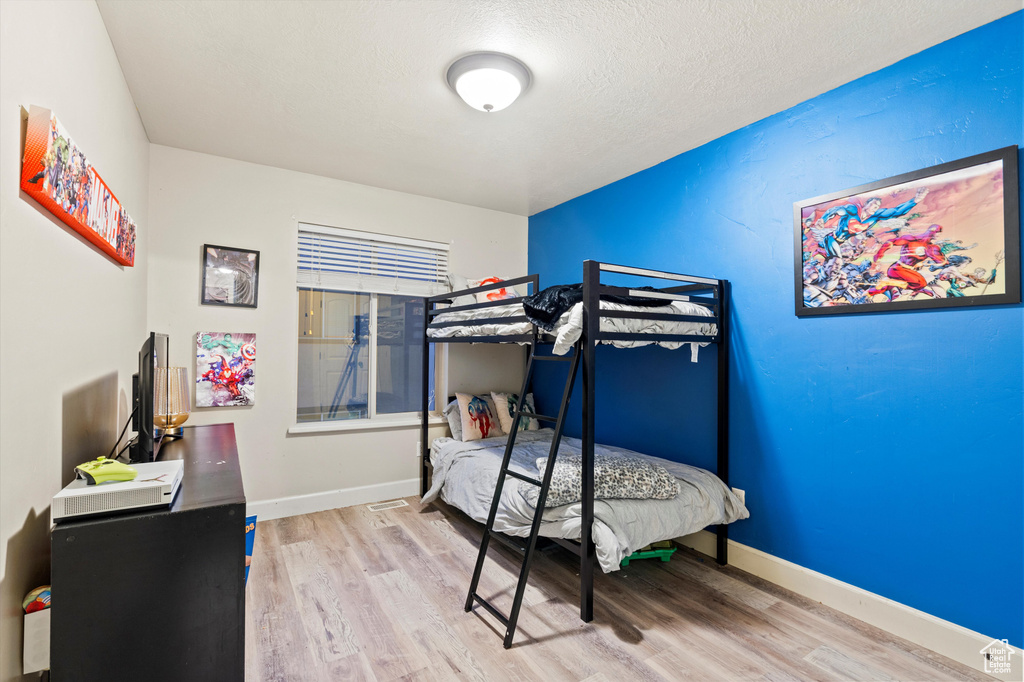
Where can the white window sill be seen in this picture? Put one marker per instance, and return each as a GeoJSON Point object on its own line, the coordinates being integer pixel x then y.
{"type": "Point", "coordinates": [379, 424]}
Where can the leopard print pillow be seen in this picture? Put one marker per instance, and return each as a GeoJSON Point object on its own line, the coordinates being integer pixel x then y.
{"type": "Point", "coordinates": [615, 477]}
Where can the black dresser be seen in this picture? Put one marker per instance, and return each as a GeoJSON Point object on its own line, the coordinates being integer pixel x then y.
{"type": "Point", "coordinates": [157, 596]}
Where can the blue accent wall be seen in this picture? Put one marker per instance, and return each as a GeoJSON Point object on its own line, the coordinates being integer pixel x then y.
{"type": "Point", "coordinates": [884, 450]}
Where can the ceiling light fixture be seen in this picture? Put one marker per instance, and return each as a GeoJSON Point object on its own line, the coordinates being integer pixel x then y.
{"type": "Point", "coordinates": [488, 81]}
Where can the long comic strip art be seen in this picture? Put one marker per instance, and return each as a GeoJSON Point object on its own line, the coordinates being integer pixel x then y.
{"type": "Point", "coordinates": [939, 237]}
{"type": "Point", "coordinates": [57, 175]}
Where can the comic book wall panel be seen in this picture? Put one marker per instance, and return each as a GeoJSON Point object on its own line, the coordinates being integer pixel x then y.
{"type": "Point", "coordinates": [225, 369]}
{"type": "Point", "coordinates": [938, 237]}
{"type": "Point", "coordinates": [56, 174]}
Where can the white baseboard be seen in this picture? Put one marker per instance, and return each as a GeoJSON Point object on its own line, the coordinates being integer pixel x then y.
{"type": "Point", "coordinates": [332, 499]}
{"type": "Point", "coordinates": [949, 639]}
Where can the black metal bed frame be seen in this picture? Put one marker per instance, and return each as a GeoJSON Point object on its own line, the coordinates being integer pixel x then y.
{"type": "Point", "coordinates": [710, 293]}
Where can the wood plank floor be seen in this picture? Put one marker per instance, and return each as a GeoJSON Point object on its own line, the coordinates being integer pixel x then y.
{"type": "Point", "coordinates": [351, 594]}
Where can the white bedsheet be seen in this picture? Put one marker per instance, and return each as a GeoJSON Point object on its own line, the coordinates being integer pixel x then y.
{"type": "Point", "coordinates": [469, 329]}
{"type": "Point", "coordinates": [465, 475]}
{"type": "Point", "coordinates": [570, 325]}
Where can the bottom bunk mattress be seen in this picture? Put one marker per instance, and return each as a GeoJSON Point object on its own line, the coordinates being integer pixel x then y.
{"type": "Point", "coordinates": [465, 475]}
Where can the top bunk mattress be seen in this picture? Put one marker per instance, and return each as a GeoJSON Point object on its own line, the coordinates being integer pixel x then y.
{"type": "Point", "coordinates": [569, 327]}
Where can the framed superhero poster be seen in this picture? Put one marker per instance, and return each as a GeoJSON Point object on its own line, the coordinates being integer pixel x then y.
{"type": "Point", "coordinates": [225, 369]}
{"type": "Point", "coordinates": [940, 237]}
{"type": "Point", "coordinates": [56, 173]}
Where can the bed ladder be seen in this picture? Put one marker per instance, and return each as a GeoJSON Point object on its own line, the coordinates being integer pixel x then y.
{"type": "Point", "coordinates": [524, 547]}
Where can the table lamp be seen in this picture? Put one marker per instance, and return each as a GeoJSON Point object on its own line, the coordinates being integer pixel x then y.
{"type": "Point", "coordinates": [172, 405]}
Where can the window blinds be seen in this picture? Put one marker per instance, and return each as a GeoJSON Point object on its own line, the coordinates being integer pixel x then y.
{"type": "Point", "coordinates": [347, 260]}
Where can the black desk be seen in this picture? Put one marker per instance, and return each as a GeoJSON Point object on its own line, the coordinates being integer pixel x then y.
{"type": "Point", "coordinates": [157, 596]}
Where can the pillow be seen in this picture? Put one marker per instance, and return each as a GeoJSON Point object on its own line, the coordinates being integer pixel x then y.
{"type": "Point", "coordinates": [493, 294]}
{"type": "Point", "coordinates": [479, 417]}
{"type": "Point", "coordinates": [458, 283]}
{"type": "Point", "coordinates": [451, 413]}
{"type": "Point", "coordinates": [615, 477]}
{"type": "Point", "coordinates": [505, 416]}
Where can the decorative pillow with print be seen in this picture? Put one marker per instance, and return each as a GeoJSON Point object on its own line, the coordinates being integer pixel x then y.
{"type": "Point", "coordinates": [479, 417]}
{"type": "Point", "coordinates": [505, 416]}
{"type": "Point", "coordinates": [492, 294]}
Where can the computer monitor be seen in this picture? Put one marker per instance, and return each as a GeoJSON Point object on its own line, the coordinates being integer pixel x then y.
{"type": "Point", "coordinates": [152, 355]}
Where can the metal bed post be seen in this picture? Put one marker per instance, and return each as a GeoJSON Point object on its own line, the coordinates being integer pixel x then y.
{"type": "Point", "coordinates": [530, 349]}
{"type": "Point", "coordinates": [425, 415]}
{"type": "Point", "coordinates": [722, 293]}
{"type": "Point", "coordinates": [591, 327]}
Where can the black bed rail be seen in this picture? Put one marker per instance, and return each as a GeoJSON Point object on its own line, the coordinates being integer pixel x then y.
{"type": "Point", "coordinates": [504, 338]}
{"type": "Point", "coordinates": [689, 287]}
{"type": "Point", "coordinates": [660, 295]}
{"type": "Point", "coordinates": [654, 274]}
{"type": "Point", "coordinates": [480, 320]}
{"type": "Point", "coordinates": [531, 280]}
{"type": "Point", "coordinates": [651, 337]}
{"type": "Point", "coordinates": [643, 315]}
{"type": "Point", "coordinates": [475, 306]}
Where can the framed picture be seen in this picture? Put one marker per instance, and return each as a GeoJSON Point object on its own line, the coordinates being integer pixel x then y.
{"type": "Point", "coordinates": [230, 276]}
{"type": "Point", "coordinates": [940, 237]}
{"type": "Point", "coordinates": [225, 369]}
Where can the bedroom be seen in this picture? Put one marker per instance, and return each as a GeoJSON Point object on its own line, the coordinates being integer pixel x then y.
{"type": "Point", "coordinates": [815, 423]}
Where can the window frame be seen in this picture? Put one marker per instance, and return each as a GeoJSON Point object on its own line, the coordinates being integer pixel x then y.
{"type": "Point", "coordinates": [373, 421]}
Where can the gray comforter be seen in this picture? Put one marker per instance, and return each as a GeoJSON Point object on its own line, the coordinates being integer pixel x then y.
{"type": "Point", "coordinates": [465, 475]}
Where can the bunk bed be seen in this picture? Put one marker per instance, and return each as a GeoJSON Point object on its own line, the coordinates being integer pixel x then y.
{"type": "Point", "coordinates": [694, 311]}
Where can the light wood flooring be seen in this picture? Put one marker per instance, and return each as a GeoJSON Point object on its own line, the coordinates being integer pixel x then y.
{"type": "Point", "coordinates": [351, 594]}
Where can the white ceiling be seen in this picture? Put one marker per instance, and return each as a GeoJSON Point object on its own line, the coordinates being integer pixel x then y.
{"type": "Point", "coordinates": [355, 90]}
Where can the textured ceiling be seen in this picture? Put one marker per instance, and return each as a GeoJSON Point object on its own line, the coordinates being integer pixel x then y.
{"type": "Point", "coordinates": [355, 90]}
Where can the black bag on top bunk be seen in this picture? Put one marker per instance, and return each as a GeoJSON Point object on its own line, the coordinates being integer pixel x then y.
{"type": "Point", "coordinates": [546, 306]}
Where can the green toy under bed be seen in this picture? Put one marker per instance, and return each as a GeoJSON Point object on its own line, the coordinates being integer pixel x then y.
{"type": "Point", "coordinates": [655, 550]}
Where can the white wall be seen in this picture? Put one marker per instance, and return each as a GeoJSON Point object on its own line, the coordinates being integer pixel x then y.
{"type": "Point", "coordinates": [71, 319]}
{"type": "Point", "coordinates": [196, 199]}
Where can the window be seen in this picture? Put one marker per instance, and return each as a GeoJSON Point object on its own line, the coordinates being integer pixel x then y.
{"type": "Point", "coordinates": [361, 305]}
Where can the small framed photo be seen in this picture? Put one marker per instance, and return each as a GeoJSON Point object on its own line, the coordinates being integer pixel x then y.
{"type": "Point", "coordinates": [230, 276]}
{"type": "Point", "coordinates": [939, 237]}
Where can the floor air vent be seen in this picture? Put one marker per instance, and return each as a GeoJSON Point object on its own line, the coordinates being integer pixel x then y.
{"type": "Point", "coordinates": [381, 506]}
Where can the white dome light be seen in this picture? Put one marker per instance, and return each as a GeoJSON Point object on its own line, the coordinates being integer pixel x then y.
{"type": "Point", "coordinates": [488, 81]}
{"type": "Point", "coordinates": [488, 89]}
